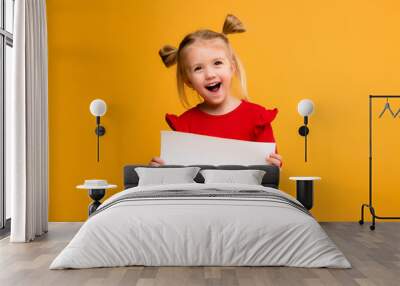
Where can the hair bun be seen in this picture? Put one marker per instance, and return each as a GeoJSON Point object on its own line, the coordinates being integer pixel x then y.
{"type": "Point", "coordinates": [232, 25]}
{"type": "Point", "coordinates": [168, 55]}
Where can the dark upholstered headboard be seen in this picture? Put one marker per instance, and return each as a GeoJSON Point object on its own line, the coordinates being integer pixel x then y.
{"type": "Point", "coordinates": [271, 177]}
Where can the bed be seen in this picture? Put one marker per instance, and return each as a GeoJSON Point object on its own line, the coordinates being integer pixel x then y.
{"type": "Point", "coordinates": [201, 224]}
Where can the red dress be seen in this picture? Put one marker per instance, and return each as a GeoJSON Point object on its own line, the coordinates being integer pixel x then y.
{"type": "Point", "coordinates": [248, 121]}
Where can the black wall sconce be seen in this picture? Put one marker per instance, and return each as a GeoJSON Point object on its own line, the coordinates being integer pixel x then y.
{"type": "Point", "coordinates": [98, 108]}
{"type": "Point", "coordinates": [305, 109]}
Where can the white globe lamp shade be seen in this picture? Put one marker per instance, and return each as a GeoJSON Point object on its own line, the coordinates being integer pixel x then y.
{"type": "Point", "coordinates": [305, 107]}
{"type": "Point", "coordinates": [98, 107]}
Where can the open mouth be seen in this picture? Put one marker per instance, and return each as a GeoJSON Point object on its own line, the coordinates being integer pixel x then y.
{"type": "Point", "coordinates": [214, 87]}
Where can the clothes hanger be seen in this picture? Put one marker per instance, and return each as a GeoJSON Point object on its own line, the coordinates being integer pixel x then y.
{"type": "Point", "coordinates": [387, 107]}
{"type": "Point", "coordinates": [397, 113]}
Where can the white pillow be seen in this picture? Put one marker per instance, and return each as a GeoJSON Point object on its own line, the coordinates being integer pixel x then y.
{"type": "Point", "coordinates": [249, 177]}
{"type": "Point", "coordinates": [164, 176]}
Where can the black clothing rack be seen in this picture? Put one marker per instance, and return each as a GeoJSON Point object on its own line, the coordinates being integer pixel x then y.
{"type": "Point", "coordinates": [370, 205]}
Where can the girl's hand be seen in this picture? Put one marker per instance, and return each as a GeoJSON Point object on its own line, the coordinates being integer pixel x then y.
{"type": "Point", "coordinates": [156, 162]}
{"type": "Point", "coordinates": [274, 159]}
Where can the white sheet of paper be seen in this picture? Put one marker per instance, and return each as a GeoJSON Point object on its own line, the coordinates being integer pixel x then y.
{"type": "Point", "coordinates": [182, 148]}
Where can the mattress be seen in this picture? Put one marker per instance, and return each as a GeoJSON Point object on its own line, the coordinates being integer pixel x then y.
{"type": "Point", "coordinates": [201, 225]}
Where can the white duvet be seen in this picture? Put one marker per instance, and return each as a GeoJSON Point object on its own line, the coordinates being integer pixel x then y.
{"type": "Point", "coordinates": [200, 231]}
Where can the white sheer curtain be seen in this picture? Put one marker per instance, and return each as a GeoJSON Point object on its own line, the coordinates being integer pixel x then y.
{"type": "Point", "coordinates": [27, 124]}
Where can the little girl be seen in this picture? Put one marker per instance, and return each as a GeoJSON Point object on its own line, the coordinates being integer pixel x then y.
{"type": "Point", "coordinates": [206, 63]}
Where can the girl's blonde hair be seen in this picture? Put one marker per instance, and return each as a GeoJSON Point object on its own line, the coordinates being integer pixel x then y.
{"type": "Point", "coordinates": [171, 55]}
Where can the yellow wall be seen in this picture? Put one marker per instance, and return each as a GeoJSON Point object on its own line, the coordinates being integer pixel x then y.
{"type": "Point", "coordinates": [333, 52]}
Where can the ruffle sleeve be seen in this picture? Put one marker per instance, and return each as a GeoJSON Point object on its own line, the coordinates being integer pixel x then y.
{"type": "Point", "coordinates": [175, 122]}
{"type": "Point", "coordinates": [263, 129]}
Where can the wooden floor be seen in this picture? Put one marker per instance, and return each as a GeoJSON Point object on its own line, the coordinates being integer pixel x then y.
{"type": "Point", "coordinates": [375, 256]}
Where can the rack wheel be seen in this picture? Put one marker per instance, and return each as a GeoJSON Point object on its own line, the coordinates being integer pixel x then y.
{"type": "Point", "coordinates": [372, 227]}
{"type": "Point", "coordinates": [361, 222]}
